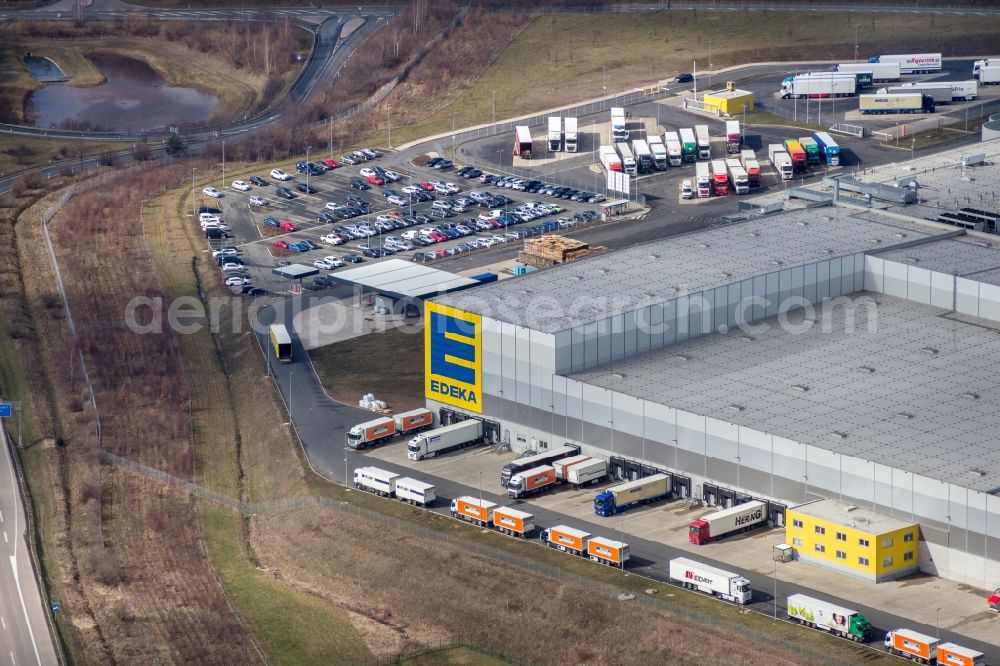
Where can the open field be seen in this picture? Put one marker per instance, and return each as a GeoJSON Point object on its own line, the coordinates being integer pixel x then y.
{"type": "Point", "coordinates": [457, 656]}
{"type": "Point", "coordinates": [560, 59]}
{"type": "Point", "coordinates": [389, 364]}
{"type": "Point", "coordinates": [19, 152]}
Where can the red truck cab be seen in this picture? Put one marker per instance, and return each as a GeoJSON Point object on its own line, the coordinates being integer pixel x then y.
{"type": "Point", "coordinates": [698, 532]}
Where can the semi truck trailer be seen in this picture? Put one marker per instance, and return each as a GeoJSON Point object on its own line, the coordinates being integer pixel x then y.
{"type": "Point", "coordinates": [643, 156]}
{"type": "Point", "coordinates": [912, 63]}
{"type": "Point", "coordinates": [628, 161]}
{"type": "Point", "coordinates": [581, 470]}
{"type": "Point", "coordinates": [862, 79]}
{"type": "Point", "coordinates": [880, 71]}
{"type": "Point", "coordinates": [798, 155]}
{"type": "Point", "coordinates": [619, 130]}
{"type": "Point", "coordinates": [896, 103]}
{"type": "Point", "coordinates": [385, 428]}
{"type": "Point", "coordinates": [944, 91]}
{"type": "Point", "coordinates": [522, 142]}
{"type": "Point", "coordinates": [531, 482]}
{"type": "Point", "coordinates": [734, 137]}
{"type": "Point", "coordinates": [442, 440]}
{"type": "Point", "coordinates": [926, 649]}
{"type": "Point", "coordinates": [939, 95]}
{"type": "Point", "coordinates": [513, 521]}
{"type": "Point", "coordinates": [675, 152]}
{"type": "Point", "coordinates": [689, 145]}
{"type": "Point", "coordinates": [719, 524]}
{"type": "Point", "coordinates": [607, 551]}
{"type": "Point", "coordinates": [704, 142]}
{"type": "Point", "coordinates": [703, 180]}
{"type": "Point", "coordinates": [710, 580]}
{"type": "Point", "coordinates": [828, 148]}
{"type": "Point", "coordinates": [415, 492]}
{"type": "Point", "coordinates": [555, 134]}
{"type": "Point", "coordinates": [660, 161]}
{"type": "Point", "coordinates": [610, 159]}
{"type": "Point", "coordinates": [567, 539]}
{"type": "Point", "coordinates": [989, 74]}
{"type": "Point", "coordinates": [780, 160]}
{"type": "Point", "coordinates": [812, 149]}
{"type": "Point", "coordinates": [720, 178]}
{"type": "Point", "coordinates": [549, 457]}
{"type": "Point", "coordinates": [738, 176]}
{"type": "Point", "coordinates": [837, 620]}
{"type": "Point", "coordinates": [473, 510]}
{"type": "Point", "coordinates": [375, 480]}
{"type": "Point", "coordinates": [820, 86]}
{"type": "Point", "coordinates": [956, 655]}
{"type": "Point", "coordinates": [748, 159]}
{"type": "Point", "coordinates": [569, 134]}
{"type": "Point", "coordinates": [641, 491]}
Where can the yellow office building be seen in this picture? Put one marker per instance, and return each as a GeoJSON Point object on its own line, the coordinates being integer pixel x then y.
{"type": "Point", "coordinates": [852, 540]}
{"type": "Point", "coordinates": [730, 101]}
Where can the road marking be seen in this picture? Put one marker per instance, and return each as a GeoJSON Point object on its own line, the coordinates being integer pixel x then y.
{"type": "Point", "coordinates": [3, 622]}
{"type": "Point", "coordinates": [12, 657]}
{"type": "Point", "coordinates": [24, 609]}
{"type": "Point", "coordinates": [1, 516]}
{"type": "Point", "coordinates": [5, 538]}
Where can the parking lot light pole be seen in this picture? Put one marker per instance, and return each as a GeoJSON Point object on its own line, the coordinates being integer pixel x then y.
{"type": "Point", "coordinates": [388, 119]}
{"type": "Point", "coordinates": [494, 106]}
{"type": "Point", "coordinates": [710, 45]}
{"type": "Point", "coordinates": [604, 88]}
{"type": "Point", "coordinates": [331, 137]}
{"type": "Point", "coordinates": [194, 201]}
{"type": "Point", "coordinates": [223, 165]}
{"type": "Point", "coordinates": [307, 168]}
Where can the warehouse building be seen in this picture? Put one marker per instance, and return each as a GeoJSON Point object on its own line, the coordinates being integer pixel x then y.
{"type": "Point", "coordinates": [852, 540]}
{"type": "Point", "coordinates": [799, 356]}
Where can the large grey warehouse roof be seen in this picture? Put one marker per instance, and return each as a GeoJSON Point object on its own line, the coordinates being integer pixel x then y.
{"type": "Point", "coordinates": [592, 289]}
{"type": "Point", "coordinates": [918, 392]}
{"type": "Point", "coordinates": [974, 258]}
{"type": "Point", "coordinates": [403, 279]}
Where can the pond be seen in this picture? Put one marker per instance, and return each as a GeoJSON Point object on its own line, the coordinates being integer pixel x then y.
{"type": "Point", "coordinates": [43, 69]}
{"type": "Point", "coordinates": [134, 98]}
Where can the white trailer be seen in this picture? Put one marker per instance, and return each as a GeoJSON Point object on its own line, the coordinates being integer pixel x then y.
{"type": "Point", "coordinates": [738, 176]}
{"type": "Point", "coordinates": [719, 524]}
{"type": "Point", "coordinates": [628, 161]}
{"type": "Point", "coordinates": [734, 137]}
{"type": "Point", "coordinates": [569, 134]}
{"type": "Point", "coordinates": [938, 94]}
{"type": "Point", "coordinates": [780, 160]}
{"type": "Point", "coordinates": [703, 180]}
{"type": "Point", "coordinates": [619, 130]}
{"type": "Point", "coordinates": [912, 63]}
{"type": "Point", "coordinates": [643, 156]}
{"type": "Point", "coordinates": [442, 440]}
{"type": "Point", "coordinates": [942, 91]}
{"type": "Point", "coordinates": [415, 492]}
{"type": "Point", "coordinates": [555, 134]}
{"type": "Point", "coordinates": [659, 151]}
{"type": "Point", "coordinates": [831, 85]}
{"type": "Point", "coordinates": [610, 159]}
{"type": "Point", "coordinates": [580, 470]}
{"type": "Point", "coordinates": [374, 480]}
{"type": "Point", "coordinates": [881, 71]}
{"type": "Point", "coordinates": [989, 74]}
{"type": "Point", "coordinates": [674, 153]}
{"type": "Point", "coordinates": [704, 142]}
{"type": "Point", "coordinates": [710, 580]}
{"type": "Point", "coordinates": [828, 617]}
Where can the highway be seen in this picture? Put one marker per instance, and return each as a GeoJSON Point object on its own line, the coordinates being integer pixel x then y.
{"type": "Point", "coordinates": [321, 425]}
{"type": "Point", "coordinates": [24, 632]}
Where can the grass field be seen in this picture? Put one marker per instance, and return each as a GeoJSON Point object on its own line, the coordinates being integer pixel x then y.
{"type": "Point", "coordinates": [456, 656]}
{"type": "Point", "coordinates": [389, 364]}
{"type": "Point", "coordinates": [21, 152]}
{"type": "Point", "coordinates": [561, 59]}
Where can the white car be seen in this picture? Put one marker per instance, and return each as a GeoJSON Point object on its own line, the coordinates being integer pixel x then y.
{"type": "Point", "coordinates": [332, 205]}
{"type": "Point", "coordinates": [397, 200]}
{"type": "Point", "coordinates": [211, 222]}
{"type": "Point", "coordinates": [258, 201]}
{"type": "Point", "coordinates": [325, 264]}
{"type": "Point", "coordinates": [237, 281]}
{"type": "Point", "coordinates": [225, 252]}
{"type": "Point", "coordinates": [391, 175]}
{"type": "Point", "coordinates": [367, 172]}
{"type": "Point", "coordinates": [212, 192]}
{"type": "Point", "coordinates": [278, 174]}
{"type": "Point", "coordinates": [410, 234]}
{"type": "Point", "coordinates": [332, 239]}
{"type": "Point", "coordinates": [241, 185]}
{"type": "Point", "coordinates": [411, 189]}
{"type": "Point", "coordinates": [335, 262]}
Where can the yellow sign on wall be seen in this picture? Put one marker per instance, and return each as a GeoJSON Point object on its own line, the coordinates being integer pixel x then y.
{"type": "Point", "coordinates": [453, 357]}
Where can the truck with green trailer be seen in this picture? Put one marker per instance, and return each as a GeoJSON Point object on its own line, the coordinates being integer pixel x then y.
{"type": "Point", "coordinates": [812, 149]}
{"type": "Point", "coordinates": [689, 145]}
{"type": "Point", "coordinates": [838, 620]}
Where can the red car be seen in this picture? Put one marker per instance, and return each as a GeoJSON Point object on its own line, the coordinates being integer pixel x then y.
{"type": "Point", "coordinates": [288, 225]}
{"type": "Point", "coordinates": [375, 180]}
{"type": "Point", "coordinates": [427, 186]}
{"type": "Point", "coordinates": [332, 163]}
{"type": "Point", "coordinates": [281, 245]}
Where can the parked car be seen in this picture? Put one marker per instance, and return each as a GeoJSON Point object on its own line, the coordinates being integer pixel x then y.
{"type": "Point", "coordinates": [278, 174]}
{"type": "Point", "coordinates": [396, 199]}
{"type": "Point", "coordinates": [258, 201]}
{"type": "Point", "coordinates": [375, 180]}
{"type": "Point", "coordinates": [444, 164]}
{"type": "Point", "coordinates": [288, 225]}
{"type": "Point", "coordinates": [271, 222]}
{"type": "Point", "coordinates": [683, 77]}
{"type": "Point", "coordinates": [329, 263]}
{"type": "Point", "coordinates": [353, 258]}
{"type": "Point", "coordinates": [212, 192]}
{"type": "Point", "coordinates": [348, 159]}
{"type": "Point", "coordinates": [332, 239]}
{"type": "Point", "coordinates": [356, 201]}
{"type": "Point", "coordinates": [237, 281]}
{"type": "Point", "coordinates": [391, 176]}
{"type": "Point", "coordinates": [299, 246]}
{"type": "Point", "coordinates": [308, 189]}
{"type": "Point", "coordinates": [258, 181]}
{"type": "Point", "coordinates": [284, 193]}
{"type": "Point", "coordinates": [281, 244]}
{"type": "Point", "coordinates": [241, 186]}
{"type": "Point", "coordinates": [324, 281]}
{"type": "Point", "coordinates": [359, 184]}
{"type": "Point", "coordinates": [371, 153]}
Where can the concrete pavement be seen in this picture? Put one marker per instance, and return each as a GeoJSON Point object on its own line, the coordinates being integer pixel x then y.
{"type": "Point", "coordinates": [24, 631]}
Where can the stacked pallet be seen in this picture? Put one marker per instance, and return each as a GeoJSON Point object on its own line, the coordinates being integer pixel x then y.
{"type": "Point", "coordinates": [547, 251]}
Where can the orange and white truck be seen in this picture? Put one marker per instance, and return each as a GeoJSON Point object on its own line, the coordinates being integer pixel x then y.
{"type": "Point", "coordinates": [413, 421]}
{"type": "Point", "coordinates": [531, 482]}
{"type": "Point", "coordinates": [566, 539]}
{"type": "Point", "coordinates": [382, 429]}
{"type": "Point", "coordinates": [607, 551]}
{"type": "Point", "coordinates": [513, 521]}
{"type": "Point", "coordinates": [929, 650]}
{"type": "Point", "coordinates": [477, 511]}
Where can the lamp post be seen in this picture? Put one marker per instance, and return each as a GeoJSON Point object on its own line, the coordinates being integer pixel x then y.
{"type": "Point", "coordinates": [494, 92]}
{"type": "Point", "coordinates": [775, 597]}
{"type": "Point", "coordinates": [194, 202]}
{"type": "Point", "coordinates": [223, 165]}
{"type": "Point", "coordinates": [604, 88]}
{"type": "Point", "coordinates": [452, 114]}
{"type": "Point", "coordinates": [710, 45]}
{"type": "Point", "coordinates": [308, 169]}
{"type": "Point", "coordinates": [331, 137]}
{"type": "Point", "coordinates": [937, 626]}
{"type": "Point", "coordinates": [856, 42]}
{"type": "Point", "coordinates": [388, 119]}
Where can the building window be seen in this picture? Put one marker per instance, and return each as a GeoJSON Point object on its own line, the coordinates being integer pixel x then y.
{"type": "Point", "coordinates": [908, 537]}
{"type": "Point", "coordinates": [863, 543]}
{"type": "Point", "coordinates": [820, 548]}
{"type": "Point", "coordinates": [863, 561]}
{"type": "Point", "coordinates": [820, 529]}
{"type": "Point", "coordinates": [841, 536]}
{"type": "Point", "coordinates": [796, 523]}
{"type": "Point", "coordinates": [887, 562]}
{"type": "Point", "coordinates": [841, 555]}
{"type": "Point", "coordinates": [908, 556]}
{"type": "Point", "coordinates": [797, 542]}
{"type": "Point", "coordinates": [887, 543]}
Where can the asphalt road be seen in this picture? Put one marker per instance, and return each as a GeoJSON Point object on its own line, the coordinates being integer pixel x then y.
{"type": "Point", "coordinates": [24, 633]}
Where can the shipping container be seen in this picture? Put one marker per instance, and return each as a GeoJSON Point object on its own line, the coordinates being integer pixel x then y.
{"type": "Point", "coordinates": [720, 178]}
{"type": "Point", "coordinates": [522, 142]}
{"type": "Point", "coordinates": [628, 161]}
{"type": "Point", "coordinates": [704, 142]}
{"type": "Point", "coordinates": [738, 176]}
{"type": "Point", "coordinates": [896, 103]}
{"type": "Point", "coordinates": [569, 135]}
{"type": "Point", "coordinates": [588, 472]}
{"type": "Point", "coordinates": [689, 145]}
{"type": "Point", "coordinates": [413, 420]}
{"type": "Point", "coordinates": [513, 521]}
{"type": "Point", "coordinates": [607, 551]}
{"type": "Point", "coordinates": [912, 63]}
{"type": "Point", "coordinates": [447, 438]}
{"type": "Point", "coordinates": [659, 150]}
{"type": "Point", "coordinates": [555, 134]}
{"type": "Point", "coordinates": [949, 654]}
{"type": "Point", "coordinates": [819, 87]}
{"type": "Point", "coordinates": [675, 153]}
{"type": "Point", "coordinates": [610, 159]}
{"type": "Point", "coordinates": [912, 645]}
{"type": "Point", "coordinates": [828, 148]}
{"type": "Point", "coordinates": [944, 91]}
{"type": "Point", "coordinates": [880, 71]}
{"type": "Point", "coordinates": [938, 94]}
{"type": "Point", "coordinates": [643, 156]}
{"type": "Point", "coordinates": [619, 130]}
{"type": "Point", "coordinates": [798, 155]}
{"type": "Point", "coordinates": [734, 137]}
{"type": "Point", "coordinates": [812, 149]}
{"type": "Point", "coordinates": [703, 180]}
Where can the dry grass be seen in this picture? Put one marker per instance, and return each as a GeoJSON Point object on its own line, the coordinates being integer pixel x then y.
{"type": "Point", "coordinates": [17, 153]}
{"type": "Point", "coordinates": [389, 364]}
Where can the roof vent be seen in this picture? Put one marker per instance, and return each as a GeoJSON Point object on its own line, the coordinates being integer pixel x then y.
{"type": "Point", "coordinates": [754, 234]}
{"type": "Point", "coordinates": [603, 271]}
{"type": "Point", "coordinates": [682, 357]}
{"type": "Point", "coordinates": [984, 244]}
{"type": "Point", "coordinates": [850, 507]}
{"type": "Point", "coordinates": [578, 278]}
{"type": "Point", "coordinates": [653, 256]}
{"type": "Point", "coordinates": [776, 262]}
{"type": "Point", "coordinates": [866, 369]}
{"type": "Point", "coordinates": [748, 338]}
{"type": "Point", "coordinates": [703, 246]}
{"type": "Point", "coordinates": [828, 218]}
{"type": "Point", "coordinates": [839, 434]}
{"type": "Point", "coordinates": [899, 234]}
{"type": "Point", "coordinates": [650, 294]}
{"type": "Point", "coordinates": [970, 395]}
{"type": "Point", "coordinates": [725, 275]}
{"type": "Point", "coordinates": [913, 260]}
{"type": "Point", "coordinates": [736, 408]}
{"type": "Point", "coordinates": [877, 241]}
{"type": "Point", "coordinates": [800, 387]}
{"type": "Point", "coordinates": [617, 375]}
{"type": "Point", "coordinates": [828, 251]}
{"type": "Point", "coordinates": [803, 223]}
{"type": "Point", "coordinates": [930, 351]}
{"type": "Point", "coordinates": [905, 415]}
{"type": "Point", "coordinates": [978, 473]}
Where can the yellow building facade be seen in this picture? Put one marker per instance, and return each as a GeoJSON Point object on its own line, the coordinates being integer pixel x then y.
{"type": "Point", "coordinates": [851, 540]}
{"type": "Point", "coordinates": [729, 101]}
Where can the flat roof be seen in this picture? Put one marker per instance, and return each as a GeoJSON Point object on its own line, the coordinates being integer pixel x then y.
{"type": "Point", "coordinates": [403, 279]}
{"type": "Point", "coordinates": [971, 257]}
{"type": "Point", "coordinates": [597, 287]}
{"type": "Point", "coordinates": [843, 513]}
{"type": "Point", "coordinates": [918, 391]}
{"type": "Point", "coordinates": [295, 271]}
{"type": "Point", "coordinates": [728, 94]}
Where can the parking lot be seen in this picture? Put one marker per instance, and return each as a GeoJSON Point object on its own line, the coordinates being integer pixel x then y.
{"type": "Point", "coordinates": [347, 214]}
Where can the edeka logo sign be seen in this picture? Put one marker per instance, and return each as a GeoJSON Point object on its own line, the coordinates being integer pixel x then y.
{"type": "Point", "coordinates": [454, 356]}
